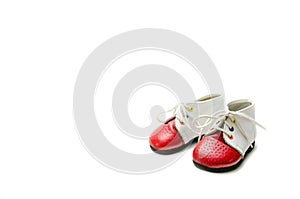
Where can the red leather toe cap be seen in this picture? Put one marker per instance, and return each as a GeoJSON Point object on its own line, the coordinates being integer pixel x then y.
{"type": "Point", "coordinates": [213, 152]}
{"type": "Point", "coordinates": [166, 137]}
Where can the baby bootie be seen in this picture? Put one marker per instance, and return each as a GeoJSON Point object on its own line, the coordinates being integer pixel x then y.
{"type": "Point", "coordinates": [185, 125]}
{"type": "Point", "coordinates": [228, 142]}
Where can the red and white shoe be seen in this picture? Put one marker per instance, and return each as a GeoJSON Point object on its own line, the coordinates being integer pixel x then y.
{"type": "Point", "coordinates": [230, 139]}
{"type": "Point", "coordinates": [186, 125]}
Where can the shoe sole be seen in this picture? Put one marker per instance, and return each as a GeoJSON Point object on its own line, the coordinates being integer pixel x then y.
{"type": "Point", "coordinates": [225, 169]}
{"type": "Point", "coordinates": [172, 151]}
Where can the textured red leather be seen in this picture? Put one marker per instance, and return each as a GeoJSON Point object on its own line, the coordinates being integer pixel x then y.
{"type": "Point", "coordinates": [213, 152]}
{"type": "Point", "coordinates": [166, 137]}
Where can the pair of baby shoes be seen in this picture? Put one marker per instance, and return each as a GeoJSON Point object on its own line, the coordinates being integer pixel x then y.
{"type": "Point", "coordinates": [224, 136]}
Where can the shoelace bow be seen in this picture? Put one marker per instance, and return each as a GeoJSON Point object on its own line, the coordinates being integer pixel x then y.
{"type": "Point", "coordinates": [176, 109]}
{"type": "Point", "coordinates": [182, 113]}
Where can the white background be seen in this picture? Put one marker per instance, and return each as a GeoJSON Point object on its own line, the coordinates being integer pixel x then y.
{"type": "Point", "coordinates": [255, 46]}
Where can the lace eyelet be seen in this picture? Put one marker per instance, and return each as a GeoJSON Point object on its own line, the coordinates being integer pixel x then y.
{"type": "Point", "coordinates": [191, 109]}
{"type": "Point", "coordinates": [181, 122]}
{"type": "Point", "coordinates": [233, 121]}
{"type": "Point", "coordinates": [230, 137]}
{"type": "Point", "coordinates": [231, 129]}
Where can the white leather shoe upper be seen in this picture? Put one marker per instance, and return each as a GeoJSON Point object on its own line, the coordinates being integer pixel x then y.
{"type": "Point", "coordinates": [187, 121]}
{"type": "Point", "coordinates": [244, 129]}
{"type": "Point", "coordinates": [238, 125]}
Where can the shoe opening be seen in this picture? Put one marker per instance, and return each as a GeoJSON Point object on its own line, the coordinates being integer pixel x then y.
{"type": "Point", "coordinates": [208, 97]}
{"type": "Point", "coordinates": [239, 105]}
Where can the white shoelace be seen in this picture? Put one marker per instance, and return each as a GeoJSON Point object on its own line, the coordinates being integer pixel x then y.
{"type": "Point", "coordinates": [182, 113]}
{"type": "Point", "coordinates": [222, 118]}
